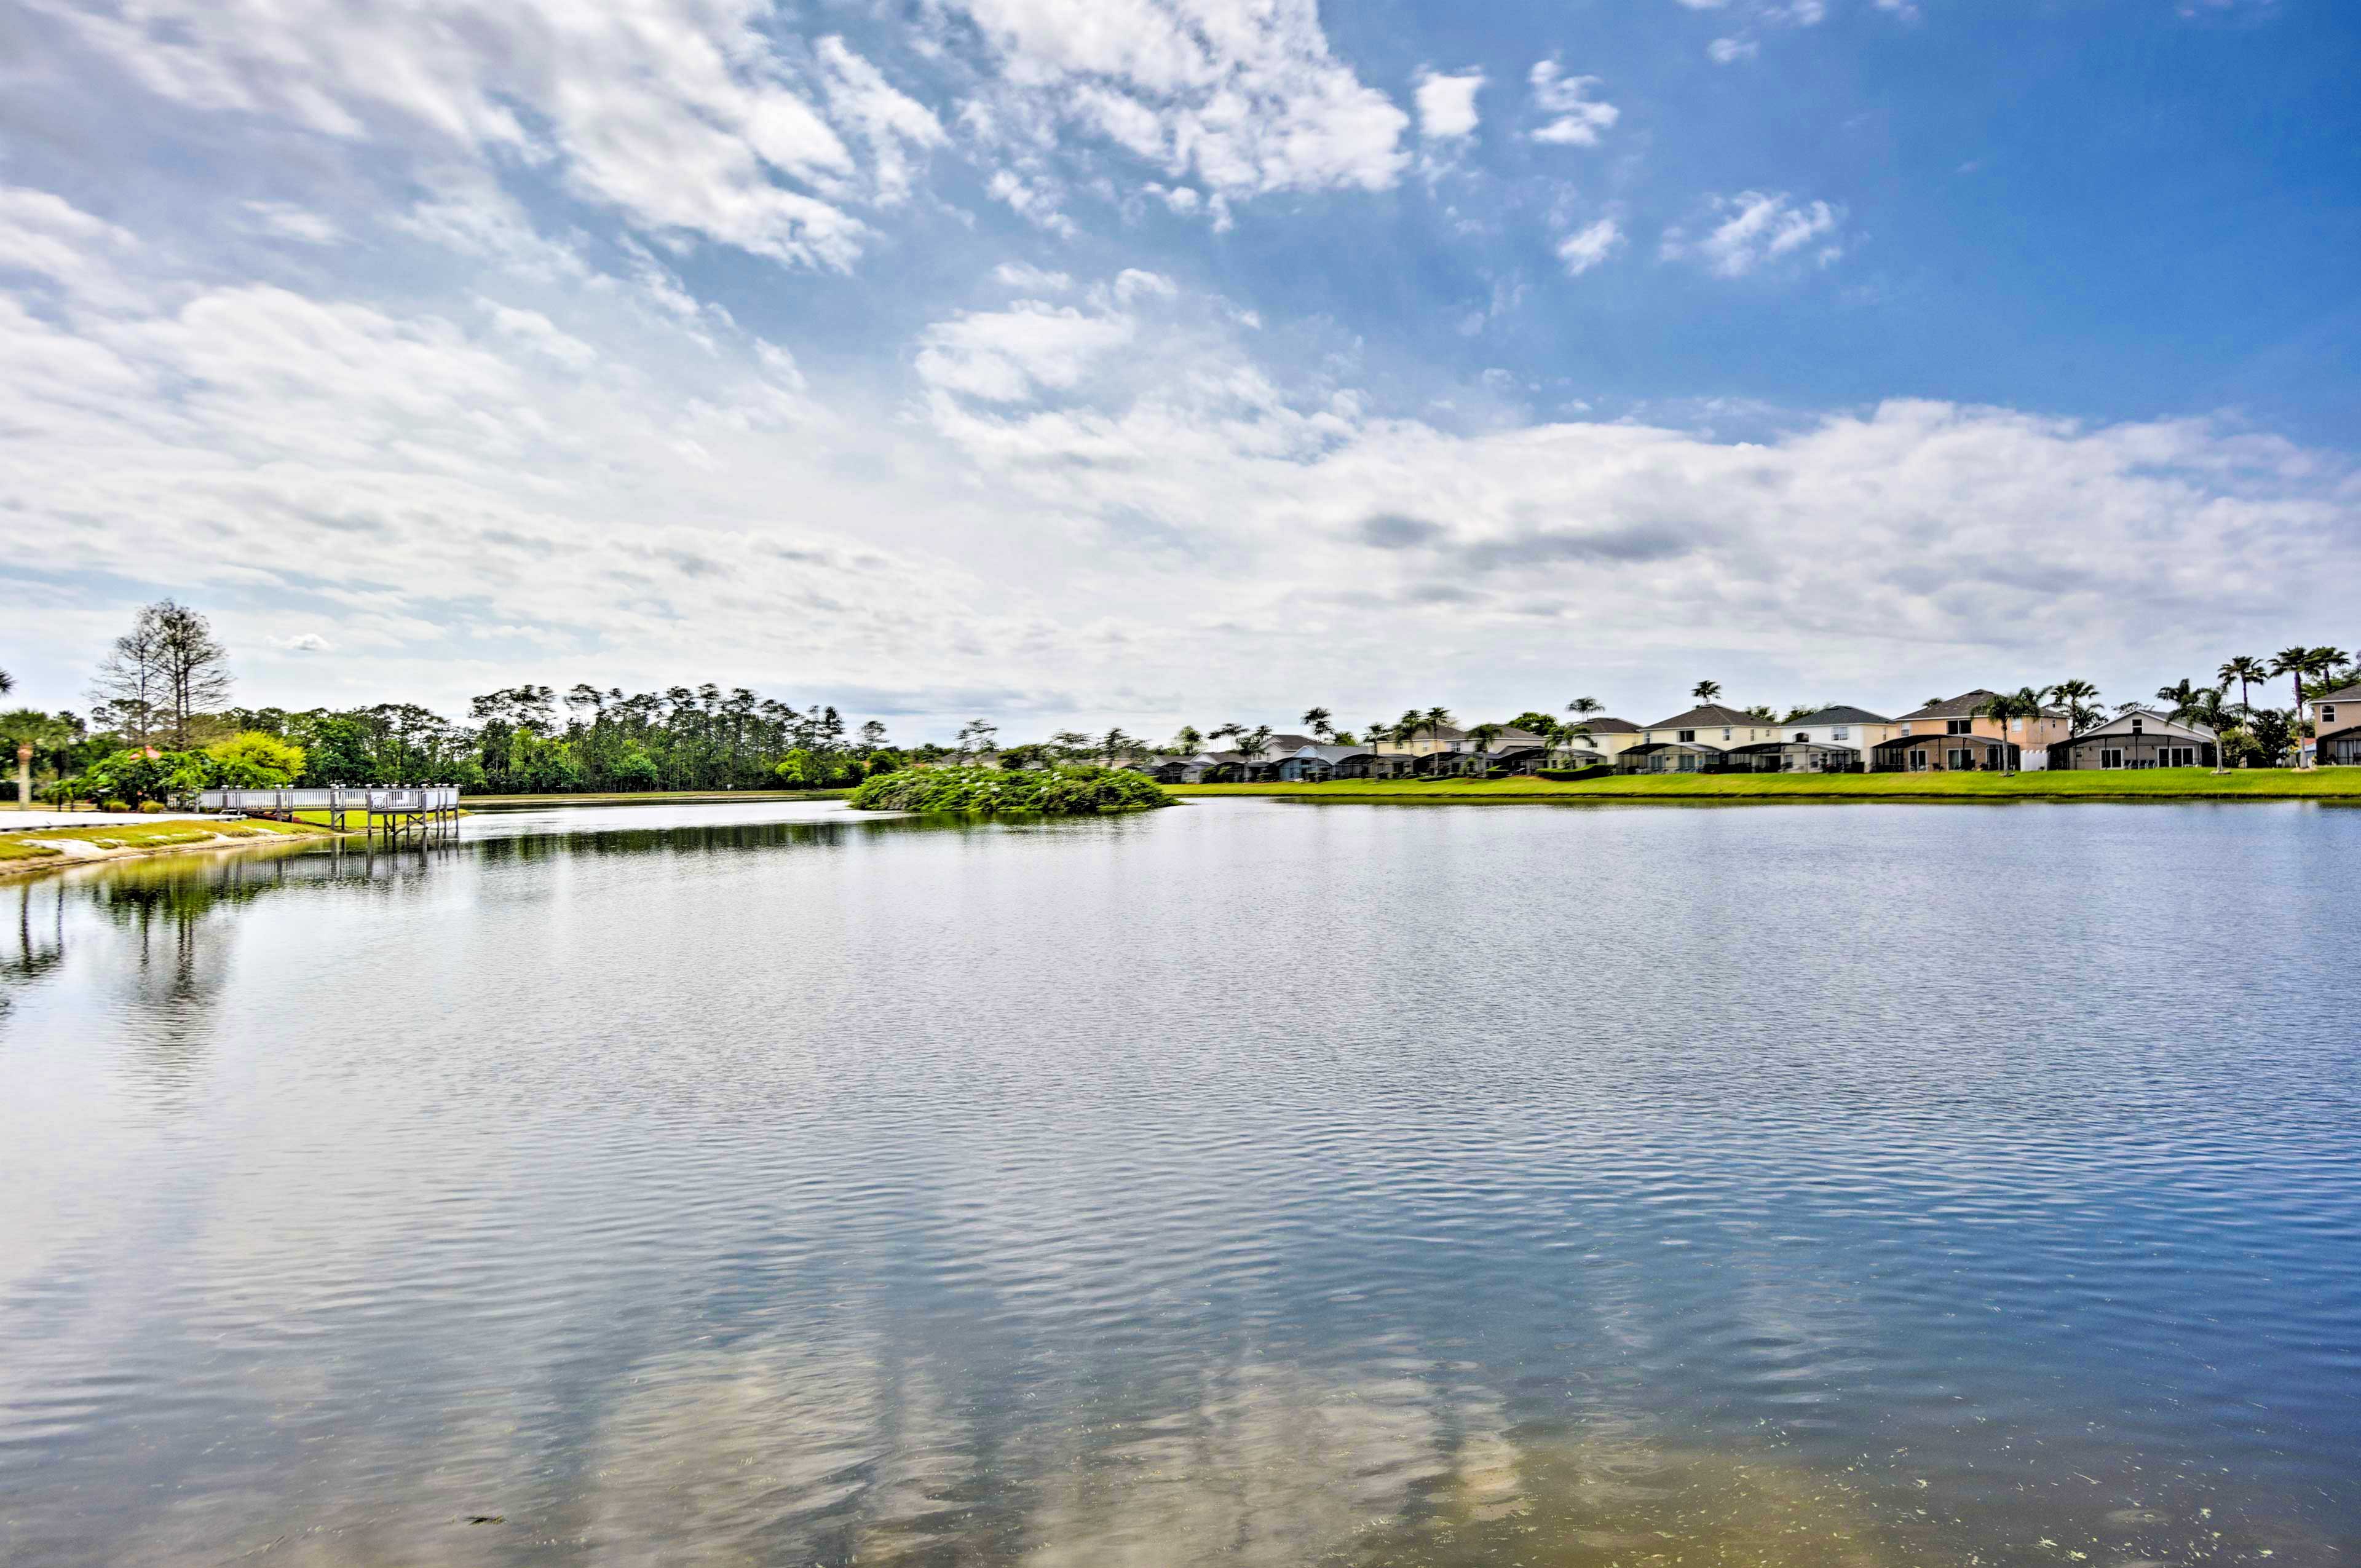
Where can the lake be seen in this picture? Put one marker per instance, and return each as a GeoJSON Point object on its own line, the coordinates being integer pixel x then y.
{"type": "Point", "coordinates": [1253, 1182]}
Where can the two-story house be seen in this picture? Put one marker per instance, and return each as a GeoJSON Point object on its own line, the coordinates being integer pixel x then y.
{"type": "Point", "coordinates": [1699, 740]}
{"type": "Point", "coordinates": [2336, 728]}
{"type": "Point", "coordinates": [1960, 715]}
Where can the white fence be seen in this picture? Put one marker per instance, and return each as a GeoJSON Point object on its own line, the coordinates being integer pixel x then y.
{"type": "Point", "coordinates": [388, 800]}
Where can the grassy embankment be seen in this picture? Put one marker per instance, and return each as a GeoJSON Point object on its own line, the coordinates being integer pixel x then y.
{"type": "Point", "coordinates": [2159, 783]}
{"type": "Point", "coordinates": [141, 835]}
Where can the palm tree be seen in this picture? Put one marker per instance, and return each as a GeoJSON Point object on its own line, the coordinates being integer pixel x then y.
{"type": "Point", "coordinates": [1316, 719]}
{"type": "Point", "coordinates": [1705, 691]}
{"type": "Point", "coordinates": [7, 682]}
{"type": "Point", "coordinates": [2001, 706]}
{"type": "Point", "coordinates": [1253, 742]}
{"type": "Point", "coordinates": [1114, 744]}
{"type": "Point", "coordinates": [1437, 719]}
{"type": "Point", "coordinates": [2220, 717]}
{"type": "Point", "coordinates": [2324, 664]}
{"type": "Point", "coordinates": [2081, 698]}
{"type": "Point", "coordinates": [1484, 735]}
{"type": "Point", "coordinates": [26, 731]}
{"type": "Point", "coordinates": [1583, 706]}
{"type": "Point", "coordinates": [1188, 742]}
{"type": "Point", "coordinates": [1379, 733]}
{"type": "Point", "coordinates": [2294, 664]}
{"type": "Point", "coordinates": [2245, 670]}
{"type": "Point", "coordinates": [2177, 696]}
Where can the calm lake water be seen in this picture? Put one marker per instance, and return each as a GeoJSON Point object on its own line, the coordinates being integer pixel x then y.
{"type": "Point", "coordinates": [1249, 1182]}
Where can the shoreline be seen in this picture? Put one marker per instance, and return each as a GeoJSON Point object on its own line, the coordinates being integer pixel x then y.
{"type": "Point", "coordinates": [75, 847]}
{"type": "Point", "coordinates": [651, 797]}
{"type": "Point", "coordinates": [2329, 785]}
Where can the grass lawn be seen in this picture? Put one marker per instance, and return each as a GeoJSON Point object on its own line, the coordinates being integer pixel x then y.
{"type": "Point", "coordinates": [2153, 784]}
{"type": "Point", "coordinates": [145, 833]}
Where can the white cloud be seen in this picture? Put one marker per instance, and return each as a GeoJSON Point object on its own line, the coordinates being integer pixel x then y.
{"type": "Point", "coordinates": [1755, 228]}
{"type": "Point", "coordinates": [1724, 52]}
{"type": "Point", "coordinates": [1244, 96]}
{"type": "Point", "coordinates": [892, 122]}
{"type": "Point", "coordinates": [1576, 120]}
{"type": "Point", "coordinates": [679, 114]}
{"type": "Point", "coordinates": [1012, 355]}
{"type": "Point", "coordinates": [1446, 103]}
{"type": "Point", "coordinates": [303, 643]}
{"type": "Point", "coordinates": [1019, 275]}
{"type": "Point", "coordinates": [284, 220]}
{"type": "Point", "coordinates": [1588, 246]}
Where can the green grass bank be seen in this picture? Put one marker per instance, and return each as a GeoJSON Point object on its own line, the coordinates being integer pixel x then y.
{"type": "Point", "coordinates": [2162, 784]}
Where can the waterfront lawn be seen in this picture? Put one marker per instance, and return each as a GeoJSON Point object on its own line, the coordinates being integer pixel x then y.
{"type": "Point", "coordinates": [161, 833]}
{"type": "Point", "coordinates": [2150, 783]}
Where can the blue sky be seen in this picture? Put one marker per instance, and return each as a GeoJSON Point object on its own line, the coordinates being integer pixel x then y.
{"type": "Point", "coordinates": [1152, 361]}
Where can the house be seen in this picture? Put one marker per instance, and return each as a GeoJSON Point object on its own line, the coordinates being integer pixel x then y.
{"type": "Point", "coordinates": [1365, 763]}
{"type": "Point", "coordinates": [2336, 728]}
{"type": "Point", "coordinates": [1960, 715]}
{"type": "Point", "coordinates": [1205, 767]}
{"type": "Point", "coordinates": [1452, 765]}
{"type": "Point", "coordinates": [2138, 739]}
{"type": "Point", "coordinates": [1671, 757]}
{"type": "Point", "coordinates": [1711, 726]}
{"type": "Point", "coordinates": [1308, 764]}
{"type": "Point", "coordinates": [1797, 756]}
{"type": "Point", "coordinates": [1853, 728]}
{"type": "Point", "coordinates": [1943, 752]}
{"type": "Point", "coordinates": [1609, 737]}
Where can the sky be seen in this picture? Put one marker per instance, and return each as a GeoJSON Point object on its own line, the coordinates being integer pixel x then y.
{"type": "Point", "coordinates": [1151, 362]}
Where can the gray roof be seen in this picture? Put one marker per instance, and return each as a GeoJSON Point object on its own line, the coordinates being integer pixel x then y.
{"type": "Point", "coordinates": [1712, 713]}
{"type": "Point", "coordinates": [2151, 723]}
{"type": "Point", "coordinates": [2342, 693]}
{"type": "Point", "coordinates": [1606, 726]}
{"type": "Point", "coordinates": [1963, 705]}
{"type": "Point", "coordinates": [1842, 715]}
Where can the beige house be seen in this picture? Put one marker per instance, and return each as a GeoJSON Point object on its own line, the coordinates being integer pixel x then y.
{"type": "Point", "coordinates": [1958, 715]}
{"type": "Point", "coordinates": [1610, 738]}
{"type": "Point", "coordinates": [1722, 728]}
{"type": "Point", "coordinates": [2335, 728]}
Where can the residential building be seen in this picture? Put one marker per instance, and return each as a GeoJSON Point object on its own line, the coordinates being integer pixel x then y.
{"type": "Point", "coordinates": [1699, 741]}
{"type": "Point", "coordinates": [1712, 725]}
{"type": "Point", "coordinates": [1841, 726]}
{"type": "Point", "coordinates": [1944, 753]}
{"type": "Point", "coordinates": [1959, 715]}
{"type": "Point", "coordinates": [1609, 737]}
{"type": "Point", "coordinates": [2138, 739]}
{"type": "Point", "coordinates": [2336, 728]}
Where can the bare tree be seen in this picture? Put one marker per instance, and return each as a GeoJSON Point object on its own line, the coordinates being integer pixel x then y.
{"type": "Point", "coordinates": [194, 664]}
{"type": "Point", "coordinates": [132, 694]}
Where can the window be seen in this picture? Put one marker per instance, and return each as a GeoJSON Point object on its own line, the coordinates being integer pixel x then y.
{"type": "Point", "coordinates": [1959, 727]}
{"type": "Point", "coordinates": [1803, 737]}
{"type": "Point", "coordinates": [2136, 724]}
{"type": "Point", "coordinates": [2111, 757]}
{"type": "Point", "coordinates": [1961, 759]}
{"type": "Point", "coordinates": [1689, 737]}
{"type": "Point", "coordinates": [2328, 713]}
{"type": "Point", "coordinates": [2017, 725]}
{"type": "Point", "coordinates": [1919, 761]}
{"type": "Point", "coordinates": [1840, 733]}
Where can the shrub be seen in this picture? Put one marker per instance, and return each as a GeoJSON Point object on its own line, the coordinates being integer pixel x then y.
{"type": "Point", "coordinates": [990, 791]}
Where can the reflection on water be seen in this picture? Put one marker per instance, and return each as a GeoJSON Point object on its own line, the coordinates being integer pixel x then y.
{"type": "Point", "coordinates": [1245, 1184]}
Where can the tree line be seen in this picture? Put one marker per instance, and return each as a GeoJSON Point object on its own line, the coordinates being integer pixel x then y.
{"type": "Point", "coordinates": [160, 726]}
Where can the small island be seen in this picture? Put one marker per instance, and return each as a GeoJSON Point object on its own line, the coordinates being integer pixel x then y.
{"type": "Point", "coordinates": [996, 792]}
